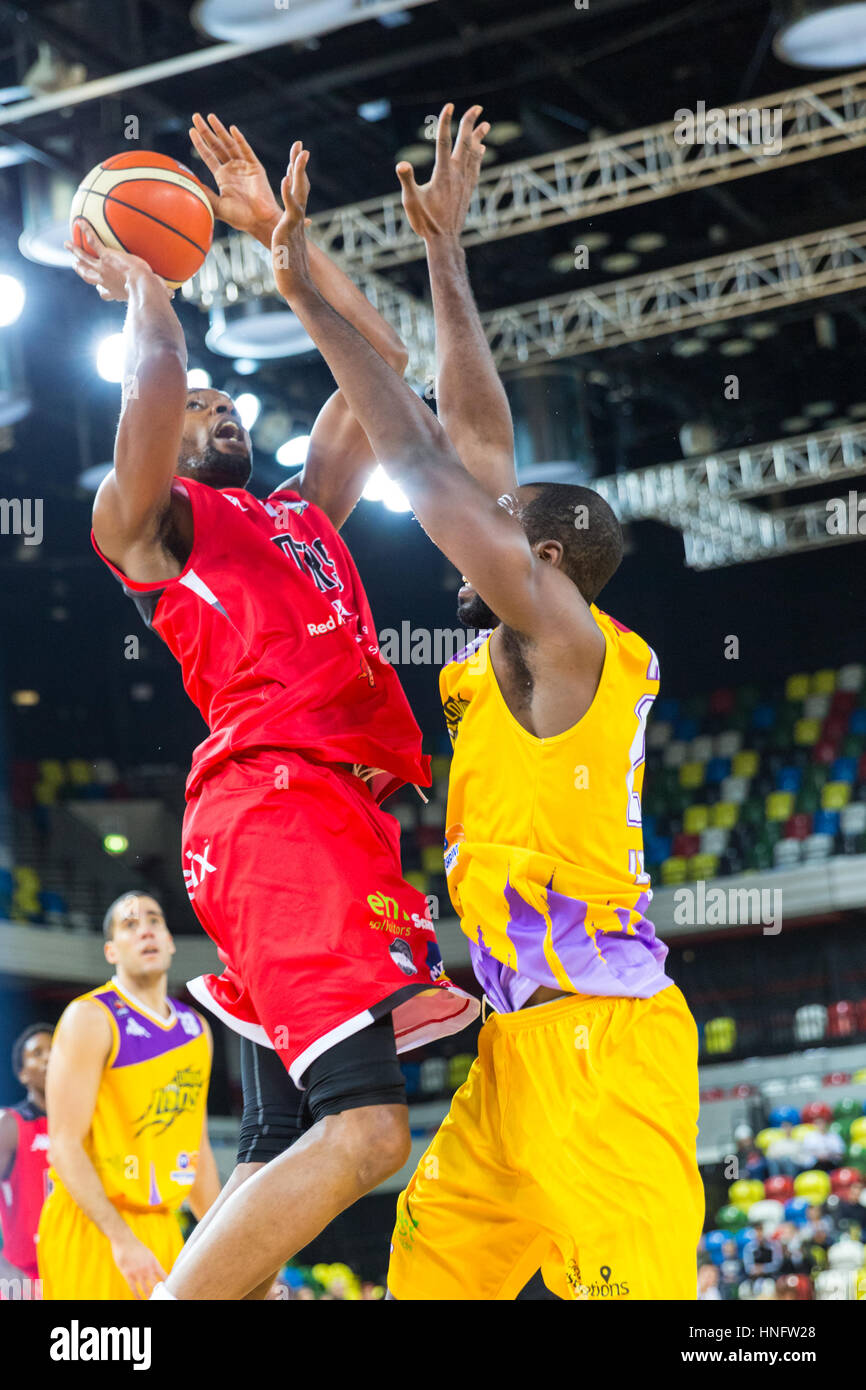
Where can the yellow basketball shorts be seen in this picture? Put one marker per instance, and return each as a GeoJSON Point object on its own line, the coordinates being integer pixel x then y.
{"type": "Point", "coordinates": [75, 1260]}
{"type": "Point", "coordinates": [571, 1148]}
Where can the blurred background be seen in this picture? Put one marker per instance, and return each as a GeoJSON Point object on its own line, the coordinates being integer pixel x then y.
{"type": "Point", "coordinates": [681, 322]}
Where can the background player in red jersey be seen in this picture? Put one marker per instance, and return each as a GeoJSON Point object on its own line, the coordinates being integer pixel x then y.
{"type": "Point", "coordinates": [291, 866]}
{"type": "Point", "coordinates": [24, 1164]}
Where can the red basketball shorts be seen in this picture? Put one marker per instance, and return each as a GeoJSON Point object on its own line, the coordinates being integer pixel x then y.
{"type": "Point", "coordinates": [294, 873]}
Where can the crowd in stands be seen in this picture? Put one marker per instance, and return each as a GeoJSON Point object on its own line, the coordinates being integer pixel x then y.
{"type": "Point", "coordinates": [794, 1225]}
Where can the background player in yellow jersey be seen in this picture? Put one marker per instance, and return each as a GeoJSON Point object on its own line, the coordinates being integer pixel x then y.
{"type": "Point", "coordinates": [571, 1147]}
{"type": "Point", "coordinates": [127, 1121]}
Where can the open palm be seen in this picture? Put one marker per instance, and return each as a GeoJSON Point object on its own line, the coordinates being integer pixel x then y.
{"type": "Point", "coordinates": [245, 199]}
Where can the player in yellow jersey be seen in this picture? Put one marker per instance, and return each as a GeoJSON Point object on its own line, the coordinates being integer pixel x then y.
{"type": "Point", "coordinates": [572, 1145]}
{"type": "Point", "coordinates": [126, 1098]}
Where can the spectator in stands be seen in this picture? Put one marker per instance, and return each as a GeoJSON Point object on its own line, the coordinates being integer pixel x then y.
{"type": "Point", "coordinates": [708, 1283]}
{"type": "Point", "coordinates": [750, 1160]}
{"type": "Point", "coordinates": [762, 1257]}
{"type": "Point", "coordinates": [730, 1270]}
{"type": "Point", "coordinates": [852, 1207]}
{"type": "Point", "coordinates": [821, 1148]}
{"type": "Point", "coordinates": [783, 1153]}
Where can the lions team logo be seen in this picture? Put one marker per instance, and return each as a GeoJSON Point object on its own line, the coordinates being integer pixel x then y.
{"type": "Point", "coordinates": [167, 1102]}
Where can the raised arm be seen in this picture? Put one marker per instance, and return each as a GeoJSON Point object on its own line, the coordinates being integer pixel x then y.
{"type": "Point", "coordinates": [79, 1053]}
{"type": "Point", "coordinates": [480, 537]}
{"type": "Point", "coordinates": [132, 501]}
{"type": "Point", "coordinates": [340, 458]}
{"type": "Point", "coordinates": [470, 398]}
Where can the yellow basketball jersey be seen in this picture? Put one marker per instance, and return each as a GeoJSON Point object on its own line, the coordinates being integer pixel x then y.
{"type": "Point", "coordinates": [543, 846]}
{"type": "Point", "coordinates": [151, 1105]}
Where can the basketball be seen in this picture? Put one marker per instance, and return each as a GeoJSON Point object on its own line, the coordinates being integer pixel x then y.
{"type": "Point", "coordinates": [150, 205]}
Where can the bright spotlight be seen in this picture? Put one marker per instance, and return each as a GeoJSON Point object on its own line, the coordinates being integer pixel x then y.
{"type": "Point", "coordinates": [293, 454]}
{"type": "Point", "coordinates": [115, 844]}
{"type": "Point", "coordinates": [248, 407]}
{"type": "Point", "coordinates": [395, 498]}
{"type": "Point", "coordinates": [376, 484]}
{"type": "Point", "coordinates": [110, 356]}
{"type": "Point", "coordinates": [197, 379]}
{"type": "Point", "coordinates": [12, 298]}
{"type": "Point", "coordinates": [245, 366]}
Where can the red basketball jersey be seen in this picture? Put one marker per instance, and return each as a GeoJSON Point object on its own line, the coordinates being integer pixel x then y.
{"type": "Point", "coordinates": [25, 1189]}
{"type": "Point", "coordinates": [276, 641]}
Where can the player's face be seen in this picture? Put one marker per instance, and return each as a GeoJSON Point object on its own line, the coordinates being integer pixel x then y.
{"type": "Point", "coordinates": [141, 943]}
{"type": "Point", "coordinates": [215, 448]}
{"type": "Point", "coordinates": [34, 1062]}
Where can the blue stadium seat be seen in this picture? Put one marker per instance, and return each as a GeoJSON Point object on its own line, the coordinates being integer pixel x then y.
{"type": "Point", "coordinates": [717, 770]}
{"type": "Point", "coordinates": [789, 779]}
{"type": "Point", "coordinates": [844, 770]}
{"type": "Point", "coordinates": [826, 823]}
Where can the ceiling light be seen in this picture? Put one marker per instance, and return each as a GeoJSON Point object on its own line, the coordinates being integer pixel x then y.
{"type": "Point", "coordinates": [395, 498]}
{"type": "Point", "coordinates": [293, 454]}
{"type": "Point", "coordinates": [816, 410]}
{"type": "Point", "coordinates": [796, 424]}
{"type": "Point", "coordinates": [819, 34]}
{"type": "Point", "coordinates": [858, 410]}
{"type": "Point", "coordinates": [688, 347]}
{"type": "Point", "coordinates": [503, 132]}
{"type": "Point", "coordinates": [197, 379]}
{"type": "Point", "coordinates": [257, 328]}
{"type": "Point", "coordinates": [761, 330]}
{"type": "Point", "coordinates": [110, 356]}
{"type": "Point", "coordinates": [620, 261]}
{"type": "Point", "coordinates": [736, 347]}
{"type": "Point", "coordinates": [248, 21]}
{"type": "Point", "coordinates": [418, 153]}
{"type": "Point", "coordinates": [245, 366]}
{"type": "Point", "coordinates": [12, 297]}
{"type": "Point", "coordinates": [25, 698]}
{"type": "Point", "coordinates": [647, 241]}
{"type": "Point", "coordinates": [374, 490]}
{"type": "Point", "coordinates": [248, 407]}
{"type": "Point", "coordinates": [375, 110]}
{"type": "Point", "coordinates": [115, 844]}
{"type": "Point", "coordinates": [562, 262]}
{"type": "Point", "coordinates": [712, 330]}
{"type": "Point", "coordinates": [594, 241]}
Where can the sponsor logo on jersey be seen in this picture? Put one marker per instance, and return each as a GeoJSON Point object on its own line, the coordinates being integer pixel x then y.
{"type": "Point", "coordinates": [318, 629]}
{"type": "Point", "coordinates": [135, 1029]}
{"type": "Point", "coordinates": [454, 709]}
{"type": "Point", "coordinates": [189, 1023]}
{"type": "Point", "coordinates": [199, 867]}
{"type": "Point", "coordinates": [184, 1173]}
{"type": "Point", "coordinates": [40, 1144]}
{"type": "Point", "coordinates": [401, 954]}
{"type": "Point", "coordinates": [178, 1097]}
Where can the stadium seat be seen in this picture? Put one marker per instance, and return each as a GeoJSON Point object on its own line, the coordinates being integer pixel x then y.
{"type": "Point", "coordinates": [720, 1035]}
{"type": "Point", "coordinates": [729, 743]}
{"type": "Point", "coordinates": [658, 733]}
{"type": "Point", "coordinates": [714, 840]}
{"type": "Point", "coordinates": [814, 1184]}
{"type": "Point", "coordinates": [731, 1218]}
{"type": "Point", "coordinates": [816, 848]}
{"type": "Point", "coordinates": [787, 853]}
{"type": "Point", "coordinates": [691, 775]}
{"type": "Point", "coordinates": [458, 1069]}
{"type": "Point", "coordinates": [667, 708]}
{"type": "Point", "coordinates": [721, 701]}
{"type": "Point", "coordinates": [798, 826]}
{"type": "Point", "coordinates": [766, 1214]}
{"type": "Point", "coordinates": [825, 751]}
{"type": "Point", "coordinates": [717, 770]}
{"type": "Point", "coordinates": [797, 687]}
{"type": "Point", "coordinates": [703, 866]}
{"type": "Point", "coordinates": [807, 732]}
{"type": "Point", "coordinates": [685, 728]}
{"type": "Point", "coordinates": [686, 845]}
{"type": "Point", "coordinates": [816, 707]}
{"type": "Point", "coordinates": [745, 764]}
{"type": "Point", "coordinates": [831, 1285]}
{"type": "Point", "coordinates": [835, 795]}
{"type": "Point", "coordinates": [789, 779]}
{"type": "Point", "coordinates": [696, 819]}
{"type": "Point", "coordinates": [850, 677]}
{"type": "Point", "coordinates": [734, 789]}
{"type": "Point", "coordinates": [844, 770]}
{"type": "Point", "coordinates": [780, 1188]}
{"type": "Point", "coordinates": [674, 754]}
{"type": "Point", "coordinates": [779, 806]}
{"type": "Point", "coordinates": [810, 1023]}
{"type": "Point", "coordinates": [745, 1192]}
{"type": "Point", "coordinates": [841, 1021]}
{"type": "Point", "coordinates": [852, 819]}
{"type": "Point", "coordinates": [434, 1076]}
{"type": "Point", "coordinates": [725, 814]}
{"type": "Point", "coordinates": [701, 749]}
{"type": "Point", "coordinates": [412, 1073]}
{"type": "Point", "coordinates": [823, 683]}
{"type": "Point", "coordinates": [26, 906]}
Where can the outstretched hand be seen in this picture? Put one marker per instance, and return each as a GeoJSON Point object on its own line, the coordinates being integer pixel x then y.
{"type": "Point", "coordinates": [439, 208]}
{"type": "Point", "coordinates": [103, 267]}
{"type": "Point", "coordinates": [245, 199]}
{"type": "Point", "coordinates": [289, 243]}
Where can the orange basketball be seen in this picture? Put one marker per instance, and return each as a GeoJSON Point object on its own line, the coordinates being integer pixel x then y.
{"type": "Point", "coordinates": [150, 205]}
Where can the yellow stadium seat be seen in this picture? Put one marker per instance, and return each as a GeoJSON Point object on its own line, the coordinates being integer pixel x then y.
{"type": "Point", "coordinates": [807, 732]}
{"type": "Point", "coordinates": [799, 1132]}
{"type": "Point", "coordinates": [703, 866]}
{"type": "Point", "coordinates": [25, 898]}
{"type": "Point", "coordinates": [45, 793]}
{"type": "Point", "coordinates": [720, 1035]}
{"type": "Point", "coordinates": [765, 1137]}
{"type": "Point", "coordinates": [418, 878]}
{"type": "Point", "coordinates": [50, 770]}
{"type": "Point", "coordinates": [459, 1068]}
{"type": "Point", "coordinates": [835, 795]}
{"type": "Point", "coordinates": [674, 870]}
{"type": "Point", "coordinates": [79, 772]}
{"type": "Point", "coordinates": [696, 819]}
{"type": "Point", "coordinates": [745, 1192]}
{"type": "Point", "coordinates": [823, 683]}
{"type": "Point", "coordinates": [779, 805]}
{"type": "Point", "coordinates": [797, 687]}
{"type": "Point", "coordinates": [724, 814]}
{"type": "Point", "coordinates": [692, 775]}
{"type": "Point", "coordinates": [858, 1130]}
{"type": "Point", "coordinates": [439, 767]}
{"type": "Point", "coordinates": [745, 763]}
{"type": "Point", "coordinates": [431, 859]}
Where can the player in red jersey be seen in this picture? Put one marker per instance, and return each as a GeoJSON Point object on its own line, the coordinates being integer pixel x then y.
{"type": "Point", "coordinates": [24, 1165]}
{"type": "Point", "coordinates": [292, 867]}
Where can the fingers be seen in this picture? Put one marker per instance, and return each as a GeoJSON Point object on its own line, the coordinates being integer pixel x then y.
{"type": "Point", "coordinates": [443, 132]}
{"type": "Point", "coordinates": [203, 149]}
{"type": "Point", "coordinates": [406, 175]}
{"type": "Point", "coordinates": [243, 144]}
{"type": "Point", "coordinates": [300, 182]}
{"type": "Point", "coordinates": [465, 131]}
